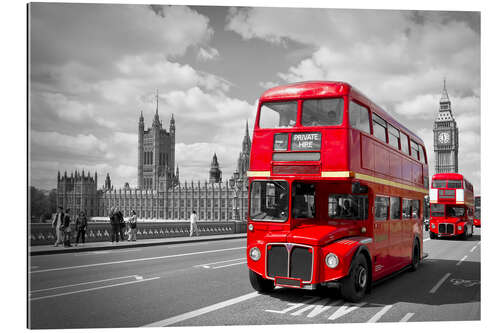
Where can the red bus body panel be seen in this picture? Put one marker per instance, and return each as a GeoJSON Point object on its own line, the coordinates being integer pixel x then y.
{"type": "Point", "coordinates": [347, 155]}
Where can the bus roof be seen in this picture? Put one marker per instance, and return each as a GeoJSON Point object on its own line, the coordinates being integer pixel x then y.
{"type": "Point", "coordinates": [314, 89]}
{"type": "Point", "coordinates": [448, 176]}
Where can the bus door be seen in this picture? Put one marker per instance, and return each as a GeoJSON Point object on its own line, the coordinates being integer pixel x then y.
{"type": "Point", "coordinates": [397, 233]}
{"type": "Point", "coordinates": [381, 229]}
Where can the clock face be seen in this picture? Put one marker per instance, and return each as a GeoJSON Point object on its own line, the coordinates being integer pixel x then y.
{"type": "Point", "coordinates": [444, 137]}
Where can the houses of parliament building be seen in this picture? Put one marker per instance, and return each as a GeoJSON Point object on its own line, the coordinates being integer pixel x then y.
{"type": "Point", "coordinates": [160, 195]}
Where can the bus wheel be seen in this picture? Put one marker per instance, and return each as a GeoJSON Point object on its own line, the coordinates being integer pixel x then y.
{"type": "Point", "coordinates": [354, 286]}
{"type": "Point", "coordinates": [415, 258]}
{"type": "Point", "coordinates": [465, 234]}
{"type": "Point", "coordinates": [432, 235]}
{"type": "Point", "coordinates": [259, 283]}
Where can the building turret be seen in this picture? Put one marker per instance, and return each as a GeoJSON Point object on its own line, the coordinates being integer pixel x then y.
{"type": "Point", "coordinates": [107, 183]}
{"type": "Point", "coordinates": [215, 174]}
{"type": "Point", "coordinates": [140, 155]}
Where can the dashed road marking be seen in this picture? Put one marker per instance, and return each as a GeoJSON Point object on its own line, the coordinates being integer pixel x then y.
{"type": "Point", "coordinates": [199, 312]}
{"type": "Point", "coordinates": [379, 314]}
{"type": "Point", "coordinates": [345, 309]}
{"type": "Point", "coordinates": [293, 306]}
{"type": "Point", "coordinates": [461, 260]}
{"type": "Point", "coordinates": [425, 240]}
{"type": "Point", "coordinates": [228, 265]}
{"type": "Point", "coordinates": [136, 260]}
{"type": "Point", "coordinates": [92, 289]}
{"type": "Point", "coordinates": [475, 246]}
{"type": "Point", "coordinates": [440, 282]}
{"type": "Point", "coordinates": [208, 265]}
{"type": "Point", "coordinates": [407, 317]}
{"type": "Point", "coordinates": [84, 283]}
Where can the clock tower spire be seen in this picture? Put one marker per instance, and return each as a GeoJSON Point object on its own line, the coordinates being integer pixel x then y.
{"type": "Point", "coordinates": [445, 136]}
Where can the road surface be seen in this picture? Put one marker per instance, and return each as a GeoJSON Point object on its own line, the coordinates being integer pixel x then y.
{"type": "Point", "coordinates": [207, 283]}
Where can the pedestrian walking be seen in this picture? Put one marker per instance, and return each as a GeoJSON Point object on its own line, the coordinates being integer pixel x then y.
{"type": "Point", "coordinates": [132, 234]}
{"type": "Point", "coordinates": [121, 223]}
{"type": "Point", "coordinates": [194, 226]}
{"type": "Point", "coordinates": [57, 225]}
{"type": "Point", "coordinates": [81, 227]}
{"type": "Point", "coordinates": [67, 229]}
{"type": "Point", "coordinates": [115, 225]}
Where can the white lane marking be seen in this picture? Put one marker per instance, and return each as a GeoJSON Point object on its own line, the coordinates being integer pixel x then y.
{"type": "Point", "coordinates": [234, 264]}
{"type": "Point", "coordinates": [425, 240]}
{"type": "Point", "coordinates": [217, 262]}
{"type": "Point", "coordinates": [440, 282]}
{"type": "Point", "coordinates": [345, 309]}
{"type": "Point", "coordinates": [92, 289]}
{"type": "Point", "coordinates": [316, 309]}
{"type": "Point", "coordinates": [136, 260]}
{"type": "Point", "coordinates": [379, 314]}
{"type": "Point", "coordinates": [407, 317]}
{"type": "Point", "coordinates": [106, 252]}
{"type": "Point", "coordinates": [202, 311]}
{"type": "Point", "coordinates": [83, 283]}
{"type": "Point", "coordinates": [293, 306]}
{"type": "Point", "coordinates": [461, 260]}
{"type": "Point", "coordinates": [475, 246]}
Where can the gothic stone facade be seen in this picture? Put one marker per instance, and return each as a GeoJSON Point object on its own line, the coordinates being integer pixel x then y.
{"type": "Point", "coordinates": [156, 155]}
{"type": "Point", "coordinates": [214, 201]}
{"type": "Point", "coordinates": [445, 137]}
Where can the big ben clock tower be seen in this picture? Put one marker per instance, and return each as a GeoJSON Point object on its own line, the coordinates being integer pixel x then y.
{"type": "Point", "coordinates": [445, 136]}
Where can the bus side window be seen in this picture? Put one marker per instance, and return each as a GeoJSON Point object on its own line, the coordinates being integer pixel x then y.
{"type": "Point", "coordinates": [395, 208]}
{"type": "Point", "coordinates": [415, 209]}
{"type": "Point", "coordinates": [404, 144]}
{"type": "Point", "coordinates": [406, 208]}
{"type": "Point", "coordinates": [358, 117]}
{"type": "Point", "coordinates": [379, 128]}
{"type": "Point", "coordinates": [381, 208]}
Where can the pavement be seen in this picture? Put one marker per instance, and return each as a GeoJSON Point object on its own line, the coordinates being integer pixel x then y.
{"type": "Point", "coordinates": [206, 283]}
{"type": "Point", "coordinates": [94, 246]}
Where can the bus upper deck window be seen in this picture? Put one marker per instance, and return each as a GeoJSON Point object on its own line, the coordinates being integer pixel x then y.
{"type": "Point", "coordinates": [278, 115]}
{"type": "Point", "coordinates": [322, 112]}
{"type": "Point", "coordinates": [454, 184]}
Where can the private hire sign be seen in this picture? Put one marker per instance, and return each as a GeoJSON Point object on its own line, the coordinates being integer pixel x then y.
{"type": "Point", "coordinates": [306, 141]}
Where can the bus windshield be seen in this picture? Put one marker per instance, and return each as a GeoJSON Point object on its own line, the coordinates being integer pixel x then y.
{"type": "Point", "coordinates": [437, 210]}
{"type": "Point", "coordinates": [269, 201]}
{"type": "Point", "coordinates": [455, 211]}
{"type": "Point", "coordinates": [278, 115]}
{"type": "Point", "coordinates": [303, 200]}
{"type": "Point", "coordinates": [322, 112]}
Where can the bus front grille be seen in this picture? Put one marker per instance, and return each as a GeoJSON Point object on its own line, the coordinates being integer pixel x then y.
{"type": "Point", "coordinates": [294, 264]}
{"type": "Point", "coordinates": [446, 228]}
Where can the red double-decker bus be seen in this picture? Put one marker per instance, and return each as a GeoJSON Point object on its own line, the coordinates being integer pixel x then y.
{"type": "Point", "coordinates": [336, 192]}
{"type": "Point", "coordinates": [452, 206]}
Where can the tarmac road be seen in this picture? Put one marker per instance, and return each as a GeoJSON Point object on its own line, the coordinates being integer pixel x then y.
{"type": "Point", "coordinates": [206, 283]}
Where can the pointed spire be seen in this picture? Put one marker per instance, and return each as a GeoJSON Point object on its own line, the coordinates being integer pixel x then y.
{"type": "Point", "coordinates": [141, 118]}
{"type": "Point", "coordinates": [444, 94]}
{"type": "Point", "coordinates": [246, 132]}
{"type": "Point", "coordinates": [157, 101]}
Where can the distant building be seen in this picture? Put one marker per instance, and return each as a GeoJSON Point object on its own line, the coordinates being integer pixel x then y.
{"type": "Point", "coordinates": [160, 195]}
{"type": "Point", "coordinates": [445, 136]}
{"type": "Point", "coordinates": [215, 174]}
{"type": "Point", "coordinates": [156, 155]}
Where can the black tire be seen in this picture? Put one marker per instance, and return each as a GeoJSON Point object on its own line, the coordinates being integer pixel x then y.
{"type": "Point", "coordinates": [415, 258]}
{"type": "Point", "coordinates": [354, 286]}
{"type": "Point", "coordinates": [259, 283]}
{"type": "Point", "coordinates": [465, 234]}
{"type": "Point", "coordinates": [432, 235]}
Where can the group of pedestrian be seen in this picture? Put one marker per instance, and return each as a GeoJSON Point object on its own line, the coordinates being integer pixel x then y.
{"type": "Point", "coordinates": [118, 225]}
{"type": "Point", "coordinates": [61, 225]}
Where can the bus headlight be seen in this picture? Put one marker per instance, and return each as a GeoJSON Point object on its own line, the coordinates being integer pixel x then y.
{"type": "Point", "coordinates": [433, 226]}
{"type": "Point", "coordinates": [459, 227]}
{"type": "Point", "coordinates": [250, 227]}
{"type": "Point", "coordinates": [254, 253]}
{"type": "Point", "coordinates": [331, 260]}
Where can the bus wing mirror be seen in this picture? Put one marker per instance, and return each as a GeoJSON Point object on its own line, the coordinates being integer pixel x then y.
{"type": "Point", "coordinates": [358, 188]}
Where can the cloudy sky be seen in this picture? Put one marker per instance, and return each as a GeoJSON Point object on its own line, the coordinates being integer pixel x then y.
{"type": "Point", "coordinates": [95, 67]}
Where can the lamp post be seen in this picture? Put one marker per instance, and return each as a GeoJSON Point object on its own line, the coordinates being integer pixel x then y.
{"type": "Point", "coordinates": [236, 183]}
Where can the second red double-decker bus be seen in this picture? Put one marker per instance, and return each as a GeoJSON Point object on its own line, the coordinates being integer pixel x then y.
{"type": "Point", "coordinates": [336, 191]}
{"type": "Point", "coordinates": [452, 206]}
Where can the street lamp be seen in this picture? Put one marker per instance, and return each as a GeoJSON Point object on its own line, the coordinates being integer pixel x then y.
{"type": "Point", "coordinates": [236, 183]}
